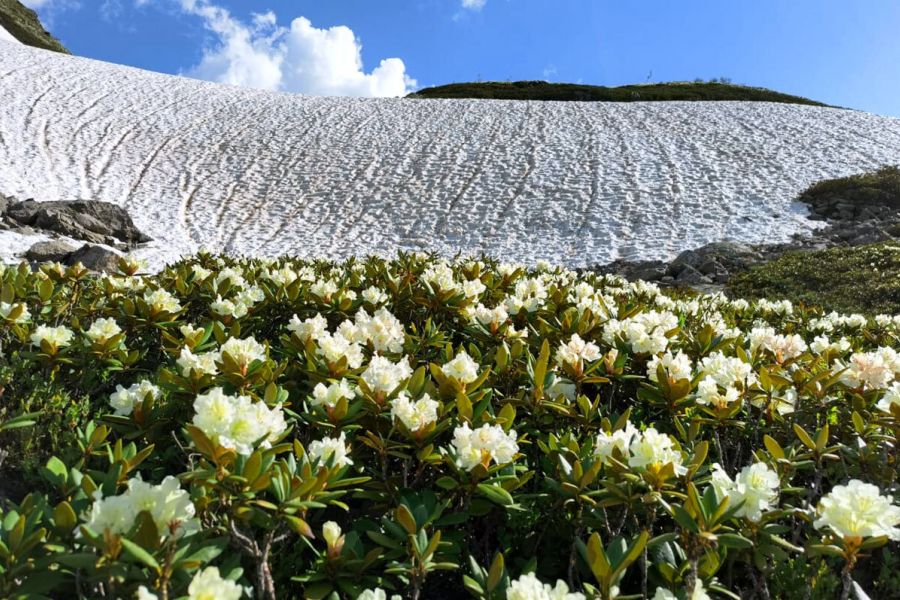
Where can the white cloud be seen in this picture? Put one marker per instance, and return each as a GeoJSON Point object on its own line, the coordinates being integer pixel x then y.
{"type": "Point", "coordinates": [473, 4]}
{"type": "Point", "coordinates": [299, 58]}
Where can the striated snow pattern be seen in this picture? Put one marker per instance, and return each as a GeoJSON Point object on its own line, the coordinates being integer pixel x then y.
{"type": "Point", "coordinates": [204, 165]}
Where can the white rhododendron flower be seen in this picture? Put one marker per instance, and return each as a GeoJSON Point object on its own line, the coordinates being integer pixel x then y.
{"type": "Point", "coordinates": [201, 364]}
{"type": "Point", "coordinates": [576, 352]}
{"type": "Point", "coordinates": [415, 415]}
{"type": "Point", "coordinates": [708, 393]}
{"type": "Point", "coordinates": [891, 397]}
{"type": "Point", "coordinates": [473, 288]}
{"type": "Point", "coordinates": [244, 351]}
{"type": "Point", "coordinates": [867, 369]}
{"type": "Point", "coordinates": [57, 337]}
{"type": "Point", "coordinates": [311, 328]}
{"type": "Point", "coordinates": [383, 376]}
{"type": "Point", "coordinates": [439, 276]}
{"type": "Point", "coordinates": [645, 333]}
{"type": "Point", "coordinates": [727, 370]}
{"type": "Point", "coordinates": [383, 330]}
{"type": "Point", "coordinates": [859, 510]}
{"type": "Point", "coordinates": [529, 295]}
{"type": "Point", "coordinates": [462, 368]}
{"type": "Point", "coordinates": [162, 301]}
{"type": "Point", "coordinates": [483, 445]}
{"type": "Point", "coordinates": [529, 587]}
{"type": "Point", "coordinates": [330, 395]}
{"type": "Point", "coordinates": [123, 400]}
{"type": "Point", "coordinates": [208, 584]}
{"type": "Point", "coordinates": [329, 448]}
{"type": "Point", "coordinates": [144, 594]}
{"type": "Point", "coordinates": [374, 296]}
{"type": "Point", "coordinates": [677, 367]}
{"type": "Point", "coordinates": [236, 422]}
{"type": "Point", "coordinates": [22, 314]}
{"type": "Point", "coordinates": [324, 289]}
{"type": "Point", "coordinates": [229, 308]}
{"type": "Point", "coordinates": [189, 330]}
{"type": "Point", "coordinates": [489, 317]}
{"type": "Point", "coordinates": [103, 329]}
{"type": "Point", "coordinates": [652, 448]}
{"type": "Point", "coordinates": [376, 594]}
{"type": "Point", "coordinates": [821, 344]}
{"type": "Point", "coordinates": [784, 347]}
{"type": "Point", "coordinates": [169, 506]}
{"type": "Point", "coordinates": [234, 277]}
{"type": "Point", "coordinates": [620, 439]}
{"type": "Point", "coordinates": [334, 347]}
{"type": "Point", "coordinates": [699, 593]}
{"type": "Point", "coordinates": [331, 533]}
{"type": "Point", "coordinates": [756, 486]}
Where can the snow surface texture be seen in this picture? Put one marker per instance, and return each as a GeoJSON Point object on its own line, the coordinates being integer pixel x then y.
{"type": "Point", "coordinates": [6, 36]}
{"type": "Point", "coordinates": [203, 165]}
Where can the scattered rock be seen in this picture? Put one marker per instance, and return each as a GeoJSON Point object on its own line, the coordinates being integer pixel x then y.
{"type": "Point", "coordinates": [91, 221]}
{"type": "Point", "coordinates": [50, 251]}
{"type": "Point", "coordinates": [94, 258]}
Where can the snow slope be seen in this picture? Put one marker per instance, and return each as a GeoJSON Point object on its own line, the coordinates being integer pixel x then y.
{"type": "Point", "coordinates": [206, 165]}
{"type": "Point", "coordinates": [6, 36]}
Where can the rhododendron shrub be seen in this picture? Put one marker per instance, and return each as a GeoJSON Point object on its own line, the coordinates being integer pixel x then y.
{"type": "Point", "coordinates": [426, 428]}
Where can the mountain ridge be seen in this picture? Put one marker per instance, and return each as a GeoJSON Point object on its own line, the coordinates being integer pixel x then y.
{"type": "Point", "coordinates": [25, 25]}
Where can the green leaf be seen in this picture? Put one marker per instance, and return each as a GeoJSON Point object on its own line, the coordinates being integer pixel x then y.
{"type": "Point", "coordinates": [140, 554]}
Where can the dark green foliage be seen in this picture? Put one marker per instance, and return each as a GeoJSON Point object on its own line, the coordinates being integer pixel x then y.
{"type": "Point", "coordinates": [877, 188]}
{"type": "Point", "coordinates": [24, 25]}
{"type": "Point", "coordinates": [542, 90]}
{"type": "Point", "coordinates": [863, 279]}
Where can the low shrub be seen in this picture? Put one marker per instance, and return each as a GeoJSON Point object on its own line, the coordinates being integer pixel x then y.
{"type": "Point", "coordinates": [863, 279]}
{"type": "Point", "coordinates": [436, 429]}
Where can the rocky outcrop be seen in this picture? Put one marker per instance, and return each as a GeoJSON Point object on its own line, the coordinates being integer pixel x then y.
{"type": "Point", "coordinates": [710, 267]}
{"type": "Point", "coordinates": [88, 220]}
{"type": "Point", "coordinates": [24, 25]}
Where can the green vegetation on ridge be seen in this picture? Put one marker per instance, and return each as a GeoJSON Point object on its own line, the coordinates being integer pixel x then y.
{"type": "Point", "coordinates": [24, 25]}
{"type": "Point", "coordinates": [543, 90]}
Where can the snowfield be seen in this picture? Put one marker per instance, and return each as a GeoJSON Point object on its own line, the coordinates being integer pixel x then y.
{"type": "Point", "coordinates": [203, 165]}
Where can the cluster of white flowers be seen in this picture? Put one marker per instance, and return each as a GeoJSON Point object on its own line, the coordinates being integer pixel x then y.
{"type": "Point", "coordinates": [529, 587]}
{"type": "Point", "coordinates": [699, 593]}
{"type": "Point", "coordinates": [330, 448]}
{"type": "Point", "coordinates": [529, 295]}
{"type": "Point", "coordinates": [239, 305]}
{"type": "Point", "coordinates": [102, 330]}
{"type": "Point", "coordinates": [375, 296]}
{"type": "Point", "coordinates": [415, 415]}
{"type": "Point", "coordinates": [123, 284]}
{"type": "Point", "coordinates": [783, 347]}
{"type": "Point", "coordinates": [22, 314]}
{"type": "Point", "coordinates": [200, 364]}
{"type": "Point", "coordinates": [169, 506]}
{"type": "Point", "coordinates": [645, 332]}
{"type": "Point", "coordinates": [57, 337]}
{"type": "Point", "coordinates": [462, 368]}
{"type": "Point", "coordinates": [383, 376]}
{"type": "Point", "coordinates": [480, 446]}
{"type": "Point", "coordinates": [282, 277]}
{"type": "Point", "coordinates": [859, 510]}
{"type": "Point", "coordinates": [872, 370]}
{"type": "Point", "coordinates": [727, 370]}
{"type": "Point", "coordinates": [779, 307]}
{"type": "Point", "coordinates": [207, 584]}
{"type": "Point", "coordinates": [756, 486]}
{"type": "Point", "coordinates": [639, 449]}
{"type": "Point", "coordinates": [491, 318]}
{"type": "Point", "coordinates": [440, 277]}
{"type": "Point", "coordinates": [382, 330]}
{"type": "Point", "coordinates": [330, 395]}
{"type": "Point", "coordinates": [377, 594]}
{"type": "Point", "coordinates": [822, 344]}
{"type": "Point", "coordinates": [834, 320]}
{"type": "Point", "coordinates": [676, 367]}
{"type": "Point", "coordinates": [161, 301]}
{"type": "Point", "coordinates": [888, 321]}
{"type": "Point", "coordinates": [123, 400]}
{"type": "Point", "coordinates": [576, 352]}
{"type": "Point", "coordinates": [244, 352]}
{"type": "Point", "coordinates": [236, 422]}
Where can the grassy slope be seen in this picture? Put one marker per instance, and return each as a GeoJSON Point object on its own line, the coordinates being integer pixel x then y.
{"type": "Point", "coordinates": [542, 90]}
{"type": "Point", "coordinates": [881, 187]}
{"type": "Point", "coordinates": [24, 25]}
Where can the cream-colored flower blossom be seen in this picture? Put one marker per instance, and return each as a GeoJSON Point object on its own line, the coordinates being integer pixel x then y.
{"type": "Point", "coordinates": [677, 366]}
{"type": "Point", "coordinates": [123, 400]}
{"type": "Point", "coordinates": [201, 364]}
{"type": "Point", "coordinates": [756, 486]}
{"type": "Point", "coordinates": [859, 510]}
{"type": "Point", "coordinates": [236, 422]}
{"type": "Point", "coordinates": [22, 314]}
{"type": "Point", "coordinates": [891, 397]}
{"type": "Point", "coordinates": [329, 448]}
{"type": "Point", "coordinates": [311, 328]}
{"type": "Point", "coordinates": [620, 439]}
{"type": "Point", "coordinates": [529, 587]}
{"type": "Point", "coordinates": [244, 351]}
{"type": "Point", "coordinates": [103, 329]}
{"type": "Point", "coordinates": [57, 337]}
{"type": "Point", "coordinates": [652, 448]}
{"type": "Point", "coordinates": [162, 301]}
{"type": "Point", "coordinates": [330, 395]}
{"type": "Point", "coordinates": [383, 376]}
{"type": "Point", "coordinates": [208, 584]}
{"type": "Point", "coordinates": [462, 368]}
{"type": "Point", "coordinates": [483, 445]}
{"type": "Point", "coordinates": [576, 352]}
{"type": "Point", "coordinates": [414, 415]}
{"type": "Point", "coordinates": [169, 506]}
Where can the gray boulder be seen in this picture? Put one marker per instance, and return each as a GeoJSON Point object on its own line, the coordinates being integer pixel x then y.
{"type": "Point", "coordinates": [50, 251]}
{"type": "Point", "coordinates": [92, 221]}
{"type": "Point", "coordinates": [94, 258]}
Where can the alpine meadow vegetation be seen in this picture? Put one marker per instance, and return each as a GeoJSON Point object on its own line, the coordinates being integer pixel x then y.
{"type": "Point", "coordinates": [418, 427]}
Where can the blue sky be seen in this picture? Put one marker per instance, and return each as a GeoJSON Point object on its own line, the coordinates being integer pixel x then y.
{"type": "Point", "coordinates": [845, 52]}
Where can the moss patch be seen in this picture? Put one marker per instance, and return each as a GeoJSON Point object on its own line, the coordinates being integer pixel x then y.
{"type": "Point", "coordinates": [864, 279]}
{"type": "Point", "coordinates": [542, 90]}
{"type": "Point", "coordinates": [24, 24]}
{"type": "Point", "coordinates": [877, 188]}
